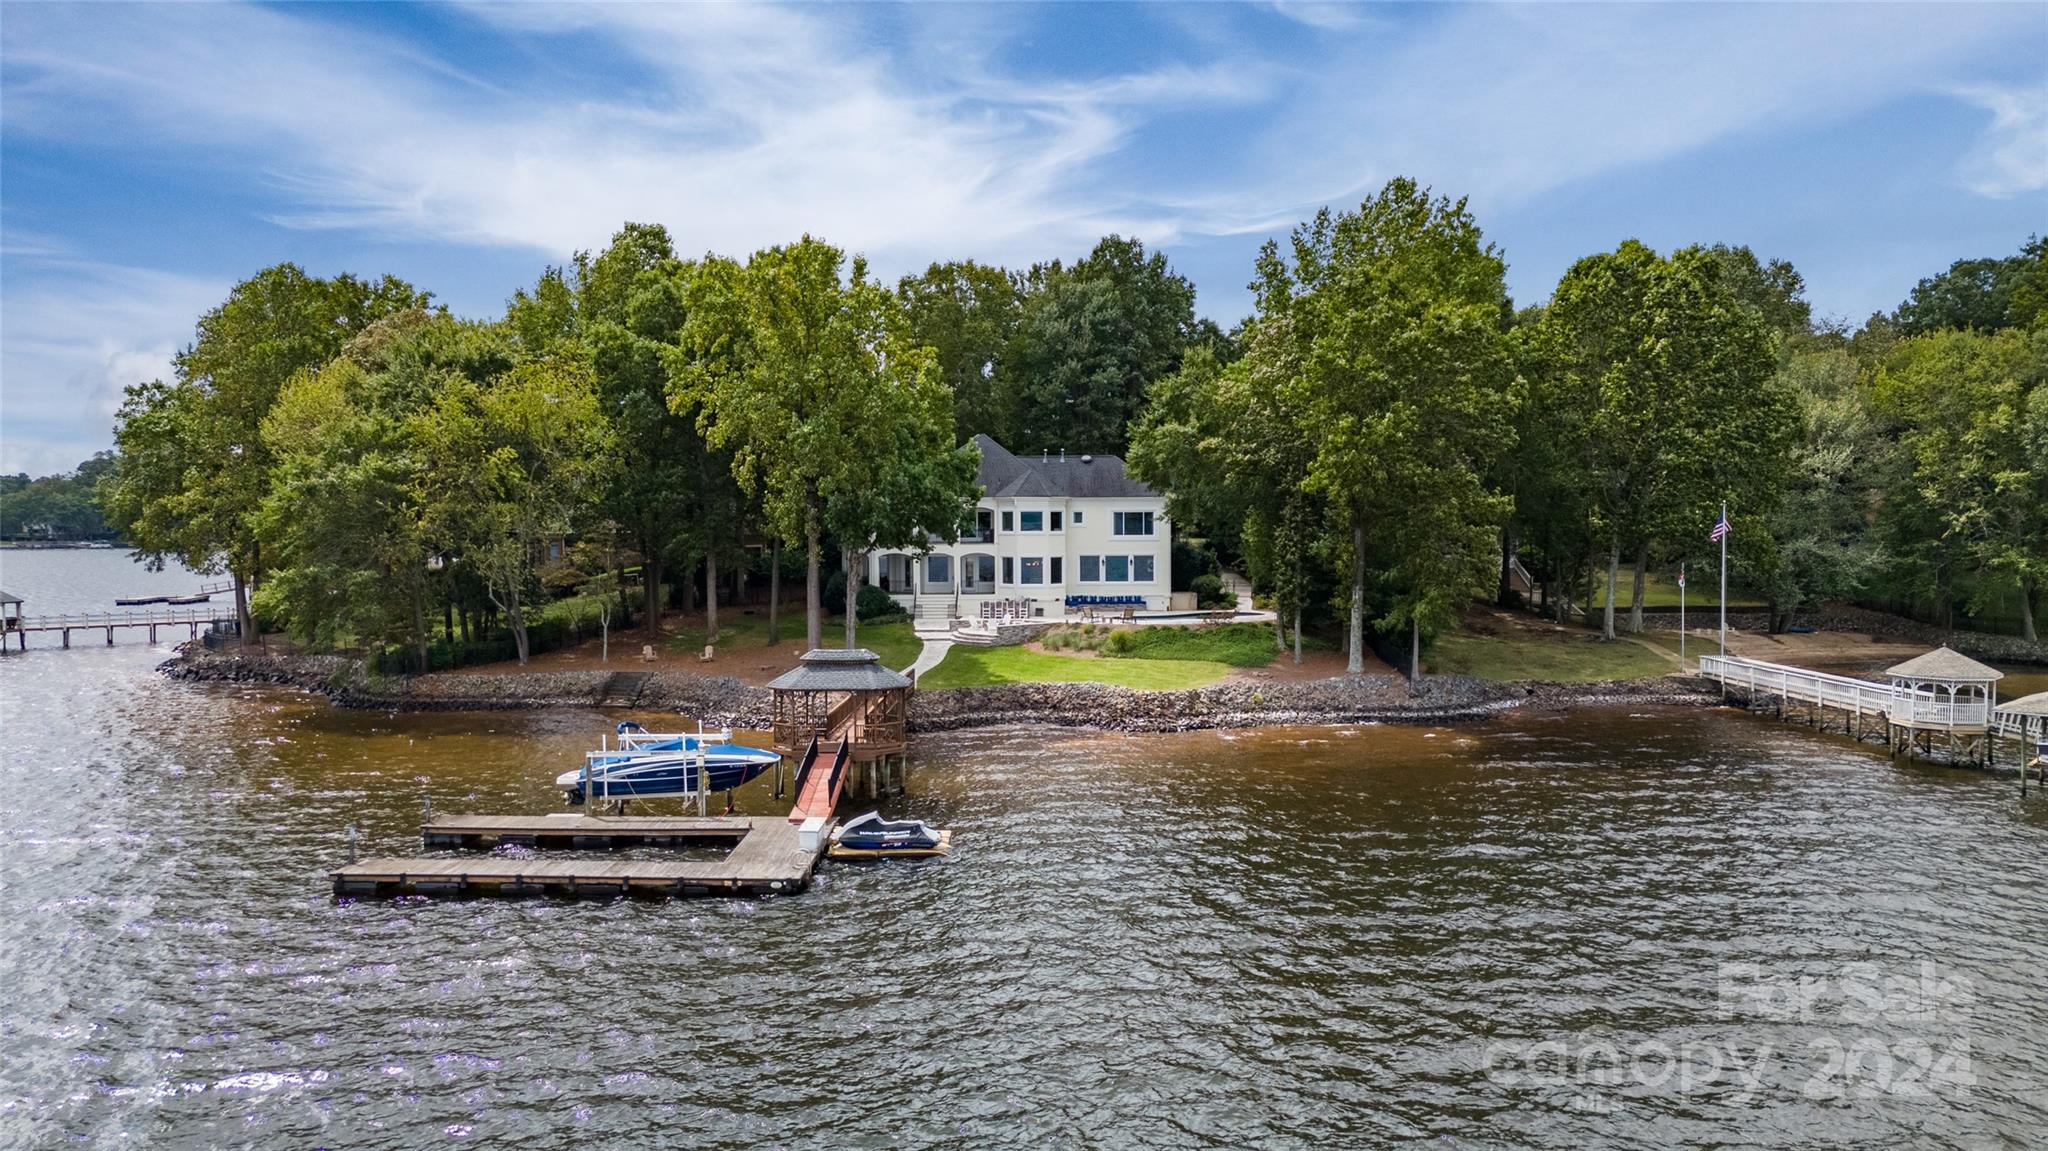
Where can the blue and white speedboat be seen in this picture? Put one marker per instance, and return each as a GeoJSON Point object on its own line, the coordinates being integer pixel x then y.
{"type": "Point", "coordinates": [645, 764]}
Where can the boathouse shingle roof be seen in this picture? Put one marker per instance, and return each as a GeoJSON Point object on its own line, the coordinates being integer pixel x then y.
{"type": "Point", "coordinates": [838, 669]}
{"type": "Point", "coordinates": [1945, 663]}
{"type": "Point", "coordinates": [1006, 475]}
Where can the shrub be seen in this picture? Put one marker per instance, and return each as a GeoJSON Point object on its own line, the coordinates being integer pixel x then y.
{"type": "Point", "coordinates": [1237, 644]}
{"type": "Point", "coordinates": [1191, 561]}
{"type": "Point", "coordinates": [1209, 592]}
{"type": "Point", "coordinates": [1118, 642]}
{"type": "Point", "coordinates": [871, 604]}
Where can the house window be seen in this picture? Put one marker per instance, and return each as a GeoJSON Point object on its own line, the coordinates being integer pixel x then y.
{"type": "Point", "coordinates": [1141, 569]}
{"type": "Point", "coordinates": [1116, 569]}
{"type": "Point", "coordinates": [1059, 564]}
{"type": "Point", "coordinates": [938, 569]}
{"type": "Point", "coordinates": [984, 525]}
{"type": "Point", "coordinates": [1077, 516]}
{"type": "Point", "coordinates": [1034, 569]}
{"type": "Point", "coordinates": [1091, 569]}
{"type": "Point", "coordinates": [1130, 523]}
{"type": "Point", "coordinates": [1009, 567]}
{"type": "Point", "coordinates": [1055, 521]}
{"type": "Point", "coordinates": [1009, 522]}
{"type": "Point", "coordinates": [984, 569]}
{"type": "Point", "coordinates": [1031, 521]}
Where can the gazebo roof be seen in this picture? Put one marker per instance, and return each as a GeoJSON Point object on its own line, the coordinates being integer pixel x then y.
{"type": "Point", "coordinates": [839, 669]}
{"type": "Point", "coordinates": [1945, 663]}
{"type": "Point", "coordinates": [2035, 704]}
{"type": "Point", "coordinates": [9, 597]}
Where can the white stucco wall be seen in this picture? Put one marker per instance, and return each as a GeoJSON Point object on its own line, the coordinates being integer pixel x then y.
{"type": "Point", "coordinates": [1094, 536]}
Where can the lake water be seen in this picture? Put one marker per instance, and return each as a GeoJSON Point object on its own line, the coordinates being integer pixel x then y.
{"type": "Point", "coordinates": [1648, 928]}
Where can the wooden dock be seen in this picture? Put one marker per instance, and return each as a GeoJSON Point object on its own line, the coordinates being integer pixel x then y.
{"type": "Point", "coordinates": [766, 859]}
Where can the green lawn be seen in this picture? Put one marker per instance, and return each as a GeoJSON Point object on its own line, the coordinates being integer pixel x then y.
{"type": "Point", "coordinates": [1564, 657]}
{"type": "Point", "coordinates": [967, 666]}
{"type": "Point", "coordinates": [893, 641]}
{"type": "Point", "coordinates": [1660, 589]}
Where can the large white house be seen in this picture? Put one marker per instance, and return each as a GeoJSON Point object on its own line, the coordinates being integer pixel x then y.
{"type": "Point", "coordinates": [1053, 530]}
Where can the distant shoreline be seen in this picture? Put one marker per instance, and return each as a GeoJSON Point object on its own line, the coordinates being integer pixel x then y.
{"type": "Point", "coordinates": [726, 701]}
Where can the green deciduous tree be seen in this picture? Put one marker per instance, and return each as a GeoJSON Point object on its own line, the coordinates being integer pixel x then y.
{"type": "Point", "coordinates": [512, 462]}
{"type": "Point", "coordinates": [836, 420]}
{"type": "Point", "coordinates": [967, 314]}
{"type": "Point", "coordinates": [1092, 340]}
{"type": "Point", "coordinates": [1396, 313]}
{"type": "Point", "coordinates": [195, 467]}
{"type": "Point", "coordinates": [1964, 408]}
{"type": "Point", "coordinates": [1679, 378]}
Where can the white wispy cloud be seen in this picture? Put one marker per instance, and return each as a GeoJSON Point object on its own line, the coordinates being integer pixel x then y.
{"type": "Point", "coordinates": [73, 334]}
{"type": "Point", "coordinates": [762, 123]}
{"type": "Point", "coordinates": [2012, 156]}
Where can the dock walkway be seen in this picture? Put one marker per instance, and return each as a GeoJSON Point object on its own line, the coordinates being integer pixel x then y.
{"type": "Point", "coordinates": [766, 859]}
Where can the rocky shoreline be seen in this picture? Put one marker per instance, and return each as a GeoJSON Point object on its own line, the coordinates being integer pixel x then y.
{"type": "Point", "coordinates": [726, 701]}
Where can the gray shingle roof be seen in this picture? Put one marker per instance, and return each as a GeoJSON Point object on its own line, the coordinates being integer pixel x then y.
{"type": "Point", "coordinates": [2035, 704]}
{"type": "Point", "coordinates": [1005, 474]}
{"type": "Point", "coordinates": [9, 597]}
{"type": "Point", "coordinates": [1945, 663]}
{"type": "Point", "coordinates": [838, 669]}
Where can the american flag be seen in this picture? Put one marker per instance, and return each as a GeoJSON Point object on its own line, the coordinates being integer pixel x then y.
{"type": "Point", "coordinates": [1720, 531]}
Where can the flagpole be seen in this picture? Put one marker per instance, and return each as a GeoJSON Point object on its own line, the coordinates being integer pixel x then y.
{"type": "Point", "coordinates": [1724, 578]}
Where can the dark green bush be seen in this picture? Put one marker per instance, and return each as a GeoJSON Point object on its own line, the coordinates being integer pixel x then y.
{"type": "Point", "coordinates": [1191, 561]}
{"type": "Point", "coordinates": [871, 603]}
{"type": "Point", "coordinates": [1209, 592]}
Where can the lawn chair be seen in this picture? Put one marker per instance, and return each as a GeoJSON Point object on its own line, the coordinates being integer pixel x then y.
{"type": "Point", "coordinates": [706, 657]}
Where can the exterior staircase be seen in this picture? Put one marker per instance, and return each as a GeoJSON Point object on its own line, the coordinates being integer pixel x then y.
{"type": "Point", "coordinates": [933, 614]}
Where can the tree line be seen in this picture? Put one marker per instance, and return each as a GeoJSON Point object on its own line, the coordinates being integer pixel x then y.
{"type": "Point", "coordinates": [1381, 441]}
{"type": "Point", "coordinates": [1393, 436]}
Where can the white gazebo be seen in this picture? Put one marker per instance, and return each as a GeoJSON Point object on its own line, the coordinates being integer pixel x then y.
{"type": "Point", "coordinates": [2026, 719]}
{"type": "Point", "coordinates": [1942, 691]}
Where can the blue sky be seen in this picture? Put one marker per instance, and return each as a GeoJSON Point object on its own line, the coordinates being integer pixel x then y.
{"type": "Point", "coordinates": [150, 156]}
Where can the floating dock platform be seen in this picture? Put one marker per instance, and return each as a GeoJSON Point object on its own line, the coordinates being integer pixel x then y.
{"type": "Point", "coordinates": [767, 858]}
{"type": "Point", "coordinates": [945, 847]}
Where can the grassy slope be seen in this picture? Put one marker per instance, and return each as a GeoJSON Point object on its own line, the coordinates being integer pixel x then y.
{"type": "Point", "coordinates": [893, 641]}
{"type": "Point", "coordinates": [979, 666]}
{"type": "Point", "coordinates": [1660, 589]}
{"type": "Point", "coordinates": [1561, 656]}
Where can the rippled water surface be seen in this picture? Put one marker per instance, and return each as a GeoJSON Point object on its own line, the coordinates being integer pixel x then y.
{"type": "Point", "coordinates": [1646, 929]}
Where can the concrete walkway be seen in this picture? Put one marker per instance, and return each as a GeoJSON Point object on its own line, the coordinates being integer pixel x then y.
{"type": "Point", "coordinates": [934, 651]}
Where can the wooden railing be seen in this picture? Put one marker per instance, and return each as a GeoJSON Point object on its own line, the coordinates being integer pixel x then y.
{"type": "Point", "coordinates": [138, 618]}
{"type": "Point", "coordinates": [1847, 693]}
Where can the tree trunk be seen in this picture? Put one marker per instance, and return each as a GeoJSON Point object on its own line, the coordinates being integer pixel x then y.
{"type": "Point", "coordinates": [516, 616]}
{"type": "Point", "coordinates": [650, 579]}
{"type": "Point", "coordinates": [244, 622]}
{"type": "Point", "coordinates": [2029, 592]}
{"type": "Point", "coordinates": [774, 592]}
{"type": "Point", "coordinates": [625, 607]}
{"type": "Point", "coordinates": [1613, 573]}
{"type": "Point", "coordinates": [1356, 663]}
{"type": "Point", "coordinates": [1504, 595]}
{"type": "Point", "coordinates": [448, 620]}
{"type": "Point", "coordinates": [853, 560]}
{"type": "Point", "coordinates": [710, 598]}
{"type": "Point", "coordinates": [688, 586]}
{"type": "Point", "coordinates": [419, 620]}
{"type": "Point", "coordinates": [1635, 607]}
{"type": "Point", "coordinates": [814, 618]}
{"type": "Point", "coordinates": [1297, 636]}
{"type": "Point", "coordinates": [1414, 651]}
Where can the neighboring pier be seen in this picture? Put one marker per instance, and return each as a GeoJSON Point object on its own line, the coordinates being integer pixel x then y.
{"type": "Point", "coordinates": [1940, 696]}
